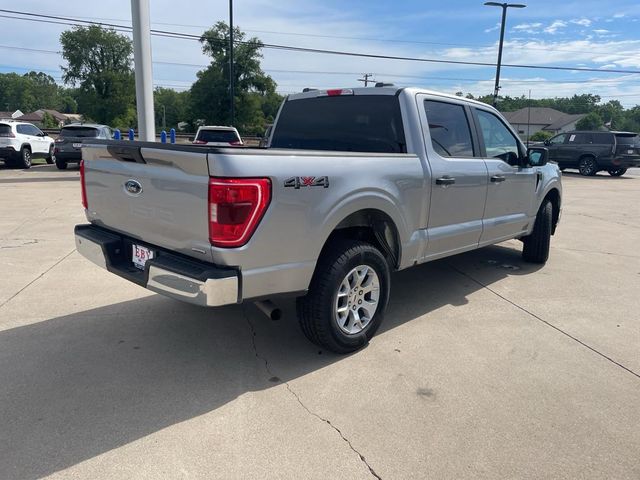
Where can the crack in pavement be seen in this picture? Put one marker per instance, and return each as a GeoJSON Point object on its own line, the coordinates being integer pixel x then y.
{"type": "Point", "coordinates": [549, 324]}
{"type": "Point", "coordinates": [297, 397]}
{"type": "Point", "coordinates": [23, 244]}
{"type": "Point", "coordinates": [606, 220]}
{"type": "Point", "coordinates": [595, 251]}
{"type": "Point", "coordinates": [36, 279]}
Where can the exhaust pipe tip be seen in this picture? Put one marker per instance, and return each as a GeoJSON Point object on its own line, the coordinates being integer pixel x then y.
{"type": "Point", "coordinates": [269, 309]}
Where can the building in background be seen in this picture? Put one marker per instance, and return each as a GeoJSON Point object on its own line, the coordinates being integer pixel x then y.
{"type": "Point", "coordinates": [528, 121]}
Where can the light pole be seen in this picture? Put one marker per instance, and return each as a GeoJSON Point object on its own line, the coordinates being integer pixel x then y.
{"type": "Point", "coordinates": [504, 18]}
{"type": "Point", "coordinates": [144, 75]}
{"type": "Point", "coordinates": [231, 74]}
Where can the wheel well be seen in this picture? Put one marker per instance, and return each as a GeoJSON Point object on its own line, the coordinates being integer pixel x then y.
{"type": "Point", "coordinates": [27, 146]}
{"type": "Point", "coordinates": [374, 227]}
{"type": "Point", "coordinates": [554, 197]}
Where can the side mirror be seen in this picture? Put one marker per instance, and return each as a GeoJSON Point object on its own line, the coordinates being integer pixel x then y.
{"type": "Point", "coordinates": [537, 156]}
{"type": "Point", "coordinates": [547, 142]}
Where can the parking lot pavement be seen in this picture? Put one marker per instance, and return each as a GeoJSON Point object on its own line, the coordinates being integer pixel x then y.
{"type": "Point", "coordinates": [485, 367]}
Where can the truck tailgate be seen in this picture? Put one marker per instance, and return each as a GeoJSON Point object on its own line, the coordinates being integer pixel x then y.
{"type": "Point", "coordinates": [157, 195]}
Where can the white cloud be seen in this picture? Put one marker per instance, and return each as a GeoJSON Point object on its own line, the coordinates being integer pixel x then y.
{"type": "Point", "coordinates": [601, 31]}
{"type": "Point", "coordinates": [555, 26]}
{"type": "Point", "coordinates": [585, 22]}
{"type": "Point", "coordinates": [493, 29]}
{"type": "Point", "coordinates": [619, 15]}
{"type": "Point", "coordinates": [532, 28]}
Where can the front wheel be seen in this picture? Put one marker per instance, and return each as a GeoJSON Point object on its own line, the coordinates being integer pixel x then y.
{"type": "Point", "coordinates": [347, 297]}
{"type": "Point", "coordinates": [536, 246]}
{"type": "Point", "coordinates": [588, 166]}
{"type": "Point", "coordinates": [617, 172]}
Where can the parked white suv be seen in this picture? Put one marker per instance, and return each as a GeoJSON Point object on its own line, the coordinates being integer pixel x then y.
{"type": "Point", "coordinates": [20, 142]}
{"type": "Point", "coordinates": [216, 136]}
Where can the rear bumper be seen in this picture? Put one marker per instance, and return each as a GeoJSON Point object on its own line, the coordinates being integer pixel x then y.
{"type": "Point", "coordinates": [626, 162]}
{"type": "Point", "coordinates": [169, 274]}
{"type": "Point", "coordinates": [69, 156]}
{"type": "Point", "coordinates": [7, 152]}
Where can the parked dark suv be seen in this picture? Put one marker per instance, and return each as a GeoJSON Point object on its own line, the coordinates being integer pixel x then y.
{"type": "Point", "coordinates": [591, 152]}
{"type": "Point", "coordinates": [68, 143]}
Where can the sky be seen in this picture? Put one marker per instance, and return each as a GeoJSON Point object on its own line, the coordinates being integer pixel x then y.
{"type": "Point", "coordinates": [590, 34]}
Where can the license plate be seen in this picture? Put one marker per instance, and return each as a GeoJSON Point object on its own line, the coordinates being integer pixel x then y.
{"type": "Point", "coordinates": [630, 152]}
{"type": "Point", "coordinates": [140, 255]}
{"type": "Point", "coordinates": [77, 145]}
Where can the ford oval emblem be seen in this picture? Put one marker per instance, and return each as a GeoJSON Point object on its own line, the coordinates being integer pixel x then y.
{"type": "Point", "coordinates": [133, 187]}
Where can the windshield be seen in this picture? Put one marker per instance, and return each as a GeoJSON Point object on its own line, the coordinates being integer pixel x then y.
{"type": "Point", "coordinates": [218, 136]}
{"type": "Point", "coordinates": [628, 139]}
{"type": "Point", "coordinates": [79, 132]}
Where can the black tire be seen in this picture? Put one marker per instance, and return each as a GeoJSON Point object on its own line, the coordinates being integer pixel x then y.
{"type": "Point", "coordinates": [61, 164]}
{"type": "Point", "coordinates": [317, 310]}
{"type": "Point", "coordinates": [51, 157]}
{"type": "Point", "coordinates": [536, 246]}
{"type": "Point", "coordinates": [588, 166]}
{"type": "Point", "coordinates": [617, 172]}
{"type": "Point", "coordinates": [25, 158]}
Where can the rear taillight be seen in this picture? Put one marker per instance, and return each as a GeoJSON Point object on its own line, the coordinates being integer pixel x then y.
{"type": "Point", "coordinates": [83, 186]}
{"type": "Point", "coordinates": [236, 206]}
{"type": "Point", "coordinates": [236, 143]}
{"type": "Point", "coordinates": [199, 142]}
{"type": "Point", "coordinates": [59, 140]}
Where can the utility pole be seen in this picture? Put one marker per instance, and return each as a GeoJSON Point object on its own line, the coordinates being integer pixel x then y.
{"type": "Point", "coordinates": [231, 76]}
{"type": "Point", "coordinates": [366, 79]}
{"type": "Point", "coordinates": [144, 73]}
{"type": "Point", "coordinates": [504, 7]}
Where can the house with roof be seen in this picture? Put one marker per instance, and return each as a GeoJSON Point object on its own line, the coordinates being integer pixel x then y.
{"type": "Point", "coordinates": [37, 117]}
{"type": "Point", "coordinates": [528, 121]}
{"type": "Point", "coordinates": [11, 115]}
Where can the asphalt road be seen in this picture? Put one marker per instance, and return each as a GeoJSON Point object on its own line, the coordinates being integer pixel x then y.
{"type": "Point", "coordinates": [486, 367]}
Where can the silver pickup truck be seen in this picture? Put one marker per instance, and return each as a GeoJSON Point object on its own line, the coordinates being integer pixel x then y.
{"type": "Point", "coordinates": [353, 184]}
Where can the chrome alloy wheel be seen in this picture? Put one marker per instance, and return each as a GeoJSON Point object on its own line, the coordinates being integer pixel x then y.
{"type": "Point", "coordinates": [357, 299]}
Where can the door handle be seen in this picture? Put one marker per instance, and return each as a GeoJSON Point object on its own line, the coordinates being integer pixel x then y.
{"type": "Point", "coordinates": [445, 181]}
{"type": "Point", "coordinates": [498, 178]}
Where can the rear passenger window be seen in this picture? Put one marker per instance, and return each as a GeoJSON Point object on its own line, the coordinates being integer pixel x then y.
{"type": "Point", "coordinates": [449, 129]}
{"type": "Point", "coordinates": [580, 138]}
{"type": "Point", "coordinates": [602, 138]}
{"type": "Point", "coordinates": [499, 142]}
{"type": "Point", "coordinates": [22, 129]}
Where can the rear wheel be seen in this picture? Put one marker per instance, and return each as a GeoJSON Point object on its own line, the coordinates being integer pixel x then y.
{"type": "Point", "coordinates": [61, 164]}
{"type": "Point", "coordinates": [50, 158]}
{"type": "Point", "coordinates": [536, 246]}
{"type": "Point", "coordinates": [25, 157]}
{"type": "Point", "coordinates": [347, 297]}
{"type": "Point", "coordinates": [588, 166]}
{"type": "Point", "coordinates": [617, 172]}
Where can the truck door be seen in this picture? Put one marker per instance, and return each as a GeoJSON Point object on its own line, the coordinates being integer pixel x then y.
{"type": "Point", "coordinates": [512, 188]}
{"type": "Point", "coordinates": [458, 177]}
{"type": "Point", "coordinates": [557, 150]}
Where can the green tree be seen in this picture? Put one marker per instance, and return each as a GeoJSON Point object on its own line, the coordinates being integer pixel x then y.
{"type": "Point", "coordinates": [48, 121]}
{"type": "Point", "coordinates": [29, 92]}
{"type": "Point", "coordinates": [99, 63]}
{"type": "Point", "coordinates": [540, 136]}
{"type": "Point", "coordinates": [172, 106]}
{"type": "Point", "coordinates": [591, 121]}
{"type": "Point", "coordinates": [253, 89]}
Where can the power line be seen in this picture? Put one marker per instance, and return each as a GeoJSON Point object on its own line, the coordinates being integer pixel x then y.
{"type": "Point", "coordinates": [171, 34]}
{"type": "Point", "coordinates": [370, 39]}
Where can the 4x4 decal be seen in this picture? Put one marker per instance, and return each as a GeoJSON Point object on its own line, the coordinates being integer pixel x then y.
{"type": "Point", "coordinates": [298, 182]}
